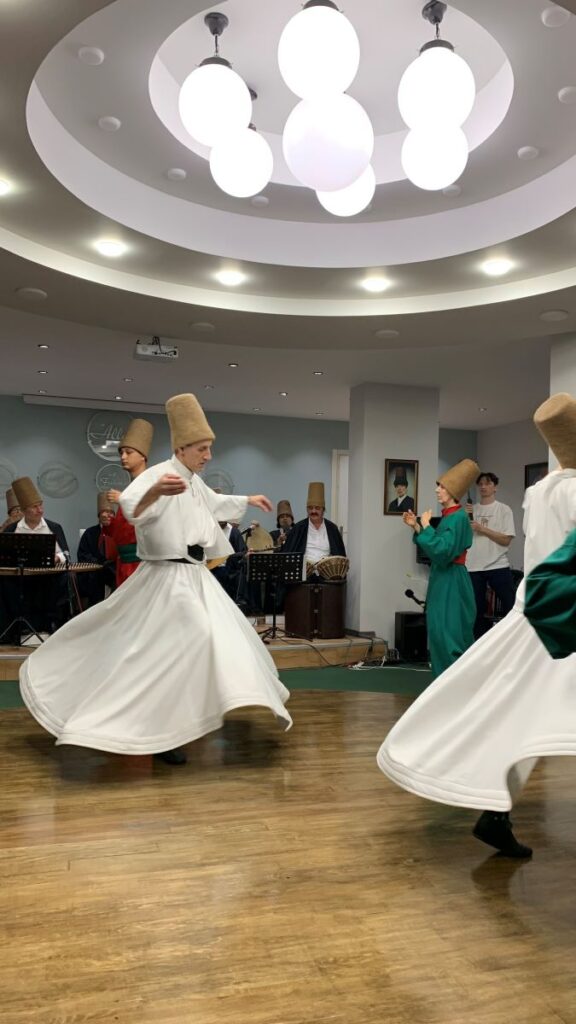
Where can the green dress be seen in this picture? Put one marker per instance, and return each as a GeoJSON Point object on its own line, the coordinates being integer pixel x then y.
{"type": "Point", "coordinates": [551, 600]}
{"type": "Point", "coordinates": [450, 604]}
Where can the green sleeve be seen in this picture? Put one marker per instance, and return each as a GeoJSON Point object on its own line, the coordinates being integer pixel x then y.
{"type": "Point", "coordinates": [442, 545]}
{"type": "Point", "coordinates": [550, 600]}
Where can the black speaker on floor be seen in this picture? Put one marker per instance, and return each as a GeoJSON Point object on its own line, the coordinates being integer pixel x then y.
{"type": "Point", "coordinates": [410, 638]}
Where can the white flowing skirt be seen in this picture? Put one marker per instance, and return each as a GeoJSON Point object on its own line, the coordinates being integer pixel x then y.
{"type": "Point", "coordinates": [472, 738]}
{"type": "Point", "coordinates": [154, 666]}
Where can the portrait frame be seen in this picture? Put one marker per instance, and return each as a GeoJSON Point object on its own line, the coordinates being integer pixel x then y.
{"type": "Point", "coordinates": [534, 472]}
{"type": "Point", "coordinates": [400, 498]}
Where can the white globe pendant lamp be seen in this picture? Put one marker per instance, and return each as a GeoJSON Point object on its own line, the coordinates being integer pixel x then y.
{"type": "Point", "coordinates": [436, 88]}
{"type": "Point", "coordinates": [347, 202]}
{"type": "Point", "coordinates": [328, 142]}
{"type": "Point", "coordinates": [242, 163]}
{"type": "Point", "coordinates": [433, 158]}
{"type": "Point", "coordinates": [214, 101]}
{"type": "Point", "coordinates": [319, 51]}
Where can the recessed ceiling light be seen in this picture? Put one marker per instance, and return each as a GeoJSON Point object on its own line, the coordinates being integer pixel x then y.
{"type": "Point", "coordinates": [375, 284]}
{"type": "Point", "coordinates": [42, 372]}
{"type": "Point", "coordinates": [110, 247]}
{"type": "Point", "coordinates": [230, 278]}
{"type": "Point", "coordinates": [91, 55]}
{"type": "Point", "coordinates": [260, 201]}
{"type": "Point", "coordinates": [567, 95]}
{"type": "Point", "coordinates": [386, 332]}
{"type": "Point", "coordinates": [319, 414]}
{"type": "Point", "coordinates": [233, 366]}
{"type": "Point", "coordinates": [202, 326]}
{"type": "Point", "coordinates": [482, 408]}
{"type": "Point", "coordinates": [43, 346]}
{"type": "Point", "coordinates": [32, 294]}
{"type": "Point", "coordinates": [283, 394]}
{"type": "Point", "coordinates": [256, 408]}
{"type": "Point", "coordinates": [176, 173]}
{"type": "Point", "coordinates": [128, 380]}
{"type": "Point", "coordinates": [318, 373]}
{"type": "Point", "coordinates": [208, 387]}
{"type": "Point", "coordinates": [553, 316]}
{"type": "Point", "coordinates": [555, 16]}
{"type": "Point", "coordinates": [118, 398]}
{"type": "Point", "coordinates": [497, 267]}
{"type": "Point", "coordinates": [41, 391]}
{"type": "Point", "coordinates": [528, 153]}
{"type": "Point", "coordinates": [109, 124]}
{"type": "Point", "coordinates": [5, 187]}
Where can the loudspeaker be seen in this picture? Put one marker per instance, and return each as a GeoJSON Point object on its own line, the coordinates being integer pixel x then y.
{"type": "Point", "coordinates": [410, 639]}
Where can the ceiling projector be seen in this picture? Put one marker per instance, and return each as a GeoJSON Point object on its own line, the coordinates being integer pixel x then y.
{"type": "Point", "coordinates": [155, 350]}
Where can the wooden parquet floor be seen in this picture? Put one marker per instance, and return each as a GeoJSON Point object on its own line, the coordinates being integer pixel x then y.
{"type": "Point", "coordinates": [276, 879]}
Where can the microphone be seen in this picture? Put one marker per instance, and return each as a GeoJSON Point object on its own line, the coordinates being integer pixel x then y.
{"type": "Point", "coordinates": [412, 596]}
{"type": "Point", "coordinates": [470, 514]}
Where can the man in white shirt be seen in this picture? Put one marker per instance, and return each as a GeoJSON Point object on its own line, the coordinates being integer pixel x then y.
{"type": "Point", "coordinates": [487, 559]}
{"type": "Point", "coordinates": [315, 536]}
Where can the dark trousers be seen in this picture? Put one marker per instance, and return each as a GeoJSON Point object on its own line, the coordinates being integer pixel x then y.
{"type": "Point", "coordinates": [502, 583]}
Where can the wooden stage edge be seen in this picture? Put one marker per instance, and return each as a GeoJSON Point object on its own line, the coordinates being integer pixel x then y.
{"type": "Point", "coordinates": [287, 652]}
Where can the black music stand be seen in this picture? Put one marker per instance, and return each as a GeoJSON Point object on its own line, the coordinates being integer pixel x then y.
{"type": "Point", "coordinates": [25, 551]}
{"type": "Point", "coordinates": [278, 567]}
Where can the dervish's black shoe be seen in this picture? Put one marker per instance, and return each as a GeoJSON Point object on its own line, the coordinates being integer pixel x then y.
{"type": "Point", "coordinates": [175, 757]}
{"type": "Point", "coordinates": [495, 829]}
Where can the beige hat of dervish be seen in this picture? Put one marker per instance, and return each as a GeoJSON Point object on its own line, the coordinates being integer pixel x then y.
{"type": "Point", "coordinates": [459, 479]}
{"type": "Point", "coordinates": [11, 500]}
{"type": "Point", "coordinates": [556, 421]}
{"type": "Point", "coordinates": [316, 494]}
{"type": "Point", "coordinates": [259, 539]}
{"type": "Point", "coordinates": [26, 492]}
{"type": "Point", "coordinates": [188, 423]}
{"type": "Point", "coordinates": [103, 502]}
{"type": "Point", "coordinates": [138, 436]}
{"type": "Point", "coordinates": [284, 508]}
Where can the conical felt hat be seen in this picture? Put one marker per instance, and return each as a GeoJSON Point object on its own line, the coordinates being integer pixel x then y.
{"type": "Point", "coordinates": [459, 479]}
{"type": "Point", "coordinates": [284, 508]}
{"type": "Point", "coordinates": [11, 500]}
{"type": "Point", "coordinates": [188, 423]}
{"type": "Point", "coordinates": [138, 436]}
{"type": "Point", "coordinates": [556, 421]}
{"type": "Point", "coordinates": [104, 505]}
{"type": "Point", "coordinates": [26, 492]}
{"type": "Point", "coordinates": [316, 494]}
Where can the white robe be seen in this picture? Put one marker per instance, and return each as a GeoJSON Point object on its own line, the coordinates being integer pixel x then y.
{"type": "Point", "coordinates": [161, 661]}
{"type": "Point", "coordinates": [472, 738]}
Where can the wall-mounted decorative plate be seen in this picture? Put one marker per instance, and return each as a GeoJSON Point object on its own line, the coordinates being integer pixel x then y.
{"type": "Point", "coordinates": [8, 473]}
{"type": "Point", "coordinates": [112, 477]}
{"type": "Point", "coordinates": [103, 434]}
{"type": "Point", "coordinates": [219, 480]}
{"type": "Point", "coordinates": [57, 480]}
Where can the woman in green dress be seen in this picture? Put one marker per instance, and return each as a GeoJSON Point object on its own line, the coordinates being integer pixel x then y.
{"type": "Point", "coordinates": [450, 603]}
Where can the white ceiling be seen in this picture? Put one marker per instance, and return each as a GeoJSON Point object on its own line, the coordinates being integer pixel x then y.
{"type": "Point", "coordinates": [482, 343]}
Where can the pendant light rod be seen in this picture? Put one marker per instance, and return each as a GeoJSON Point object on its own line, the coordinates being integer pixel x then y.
{"type": "Point", "coordinates": [216, 22]}
{"type": "Point", "coordinates": [434, 11]}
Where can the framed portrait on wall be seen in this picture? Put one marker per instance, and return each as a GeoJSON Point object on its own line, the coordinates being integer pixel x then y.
{"type": "Point", "coordinates": [534, 472]}
{"type": "Point", "coordinates": [400, 486]}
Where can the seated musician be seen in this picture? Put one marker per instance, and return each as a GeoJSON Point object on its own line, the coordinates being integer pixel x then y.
{"type": "Point", "coordinates": [46, 599]}
{"type": "Point", "coordinates": [284, 523]}
{"type": "Point", "coordinates": [315, 536]}
{"type": "Point", "coordinates": [97, 548]}
{"type": "Point", "coordinates": [229, 574]}
{"type": "Point", "coordinates": [13, 508]}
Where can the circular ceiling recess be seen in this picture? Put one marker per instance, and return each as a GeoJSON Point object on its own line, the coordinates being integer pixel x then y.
{"type": "Point", "coordinates": [110, 132]}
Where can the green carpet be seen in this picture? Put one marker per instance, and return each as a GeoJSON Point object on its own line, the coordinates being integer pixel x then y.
{"type": "Point", "coordinates": [408, 681]}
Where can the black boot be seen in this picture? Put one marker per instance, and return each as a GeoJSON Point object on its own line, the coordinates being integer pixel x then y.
{"type": "Point", "coordinates": [175, 757]}
{"type": "Point", "coordinates": [495, 829]}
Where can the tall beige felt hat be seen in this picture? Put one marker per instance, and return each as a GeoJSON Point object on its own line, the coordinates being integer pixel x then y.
{"type": "Point", "coordinates": [138, 436]}
{"type": "Point", "coordinates": [188, 423]}
{"type": "Point", "coordinates": [26, 492]}
{"type": "Point", "coordinates": [11, 500]}
{"type": "Point", "coordinates": [103, 503]}
{"type": "Point", "coordinates": [316, 494]}
{"type": "Point", "coordinates": [284, 508]}
{"type": "Point", "coordinates": [459, 479]}
{"type": "Point", "coordinates": [556, 421]}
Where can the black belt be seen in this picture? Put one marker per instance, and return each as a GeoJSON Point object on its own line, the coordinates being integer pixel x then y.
{"type": "Point", "coordinates": [195, 552]}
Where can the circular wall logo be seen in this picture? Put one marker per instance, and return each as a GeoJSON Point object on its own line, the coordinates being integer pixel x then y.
{"type": "Point", "coordinates": [219, 480]}
{"type": "Point", "coordinates": [112, 478]}
{"type": "Point", "coordinates": [57, 480]}
{"type": "Point", "coordinates": [103, 434]}
{"type": "Point", "coordinates": [8, 473]}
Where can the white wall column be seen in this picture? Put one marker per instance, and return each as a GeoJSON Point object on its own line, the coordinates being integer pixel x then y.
{"type": "Point", "coordinates": [387, 421]}
{"type": "Point", "coordinates": [562, 370]}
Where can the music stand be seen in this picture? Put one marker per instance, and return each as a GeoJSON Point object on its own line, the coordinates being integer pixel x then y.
{"type": "Point", "coordinates": [22, 551]}
{"type": "Point", "coordinates": [277, 567]}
